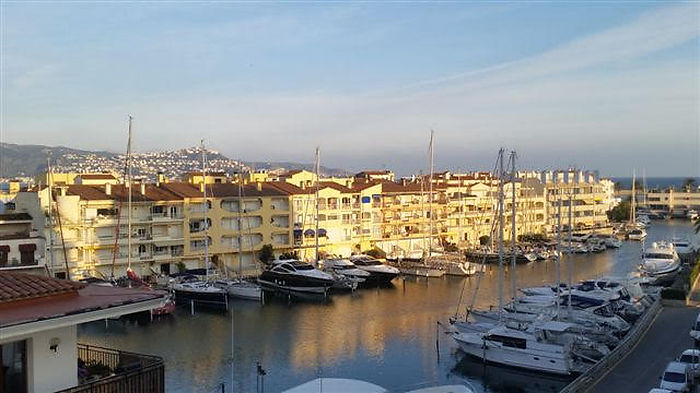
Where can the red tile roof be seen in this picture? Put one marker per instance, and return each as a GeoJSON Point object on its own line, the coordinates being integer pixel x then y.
{"type": "Point", "coordinates": [23, 286]}
{"type": "Point", "coordinates": [97, 176]}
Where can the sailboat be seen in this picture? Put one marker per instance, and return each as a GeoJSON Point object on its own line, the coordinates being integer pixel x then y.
{"type": "Point", "coordinates": [422, 267]}
{"type": "Point", "coordinates": [635, 229]}
{"type": "Point", "coordinates": [534, 350]}
{"type": "Point", "coordinates": [238, 287]}
{"type": "Point", "coordinates": [203, 293]}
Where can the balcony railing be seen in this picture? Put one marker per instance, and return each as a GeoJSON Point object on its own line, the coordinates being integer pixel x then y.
{"type": "Point", "coordinates": [118, 371]}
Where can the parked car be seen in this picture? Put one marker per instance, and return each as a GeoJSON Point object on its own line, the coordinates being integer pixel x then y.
{"type": "Point", "coordinates": [677, 377]}
{"type": "Point", "coordinates": [691, 357]}
{"type": "Point", "coordinates": [659, 390]}
{"type": "Point", "coordinates": [695, 331]}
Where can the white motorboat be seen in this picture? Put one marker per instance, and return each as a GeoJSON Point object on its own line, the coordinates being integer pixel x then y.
{"type": "Point", "coordinates": [637, 234]}
{"type": "Point", "coordinates": [344, 268]}
{"type": "Point", "coordinates": [346, 385]}
{"type": "Point", "coordinates": [290, 276]}
{"type": "Point", "coordinates": [661, 262]}
{"type": "Point", "coordinates": [515, 348]}
{"type": "Point", "coordinates": [379, 273]}
{"type": "Point", "coordinates": [683, 247]}
{"type": "Point", "coordinates": [240, 289]}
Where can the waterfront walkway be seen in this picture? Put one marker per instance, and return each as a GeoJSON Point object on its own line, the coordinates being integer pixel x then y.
{"type": "Point", "coordinates": [667, 337]}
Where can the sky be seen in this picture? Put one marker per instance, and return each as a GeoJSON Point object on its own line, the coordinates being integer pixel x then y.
{"type": "Point", "coordinates": [602, 85]}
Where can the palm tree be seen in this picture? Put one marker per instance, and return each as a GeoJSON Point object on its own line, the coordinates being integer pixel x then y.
{"type": "Point", "coordinates": [689, 183]}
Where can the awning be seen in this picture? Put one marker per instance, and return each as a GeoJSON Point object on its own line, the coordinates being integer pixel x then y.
{"type": "Point", "coordinates": [4, 248]}
{"type": "Point", "coordinates": [322, 232]}
{"type": "Point", "coordinates": [298, 232]}
{"type": "Point", "coordinates": [309, 232]}
{"type": "Point", "coordinates": [366, 199]}
{"type": "Point", "coordinates": [27, 247]}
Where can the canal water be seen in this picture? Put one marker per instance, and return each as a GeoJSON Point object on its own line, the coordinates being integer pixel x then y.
{"type": "Point", "coordinates": [387, 336]}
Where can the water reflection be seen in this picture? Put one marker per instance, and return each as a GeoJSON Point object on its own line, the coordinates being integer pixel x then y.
{"type": "Point", "coordinates": [386, 336]}
{"type": "Point", "coordinates": [492, 378]}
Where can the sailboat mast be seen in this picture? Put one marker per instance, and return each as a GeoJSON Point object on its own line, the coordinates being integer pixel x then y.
{"type": "Point", "coordinates": [501, 221]}
{"type": "Point", "coordinates": [430, 195]}
{"type": "Point", "coordinates": [317, 169]}
{"type": "Point", "coordinates": [205, 207]}
{"type": "Point", "coordinates": [570, 262]}
{"type": "Point", "coordinates": [49, 181]}
{"type": "Point", "coordinates": [559, 194]}
{"type": "Point", "coordinates": [633, 200]}
{"type": "Point", "coordinates": [129, 189]}
{"type": "Point", "coordinates": [513, 228]}
{"type": "Point", "coordinates": [240, 222]}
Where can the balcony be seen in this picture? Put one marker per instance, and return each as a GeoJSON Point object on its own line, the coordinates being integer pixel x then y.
{"type": "Point", "coordinates": [109, 370]}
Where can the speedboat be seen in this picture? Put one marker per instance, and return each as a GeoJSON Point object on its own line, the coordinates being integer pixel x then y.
{"type": "Point", "coordinates": [241, 289]}
{"type": "Point", "coordinates": [661, 263]}
{"type": "Point", "coordinates": [637, 234]}
{"type": "Point", "coordinates": [295, 276]}
{"type": "Point", "coordinates": [379, 273]}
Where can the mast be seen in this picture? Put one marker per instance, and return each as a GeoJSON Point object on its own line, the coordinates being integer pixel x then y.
{"type": "Point", "coordinates": [501, 198]}
{"type": "Point", "coordinates": [422, 210]}
{"type": "Point", "coordinates": [633, 200]}
{"type": "Point", "coordinates": [430, 195]}
{"type": "Point", "coordinates": [240, 222]}
{"type": "Point", "coordinates": [571, 265]}
{"type": "Point", "coordinates": [205, 208]}
{"type": "Point", "coordinates": [558, 193]}
{"type": "Point", "coordinates": [128, 204]}
{"type": "Point", "coordinates": [49, 181]}
{"type": "Point", "coordinates": [513, 228]}
{"type": "Point", "coordinates": [317, 169]}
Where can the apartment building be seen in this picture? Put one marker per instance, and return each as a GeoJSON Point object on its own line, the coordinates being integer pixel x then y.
{"type": "Point", "coordinates": [21, 245]}
{"type": "Point", "coordinates": [581, 193]}
{"type": "Point", "coordinates": [675, 202]}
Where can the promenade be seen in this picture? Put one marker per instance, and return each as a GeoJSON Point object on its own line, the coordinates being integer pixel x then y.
{"type": "Point", "coordinates": [665, 340]}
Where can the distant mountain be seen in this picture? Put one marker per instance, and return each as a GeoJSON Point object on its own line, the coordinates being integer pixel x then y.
{"type": "Point", "coordinates": [30, 160]}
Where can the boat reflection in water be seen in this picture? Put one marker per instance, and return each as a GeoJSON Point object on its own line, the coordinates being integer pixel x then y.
{"type": "Point", "coordinates": [494, 378]}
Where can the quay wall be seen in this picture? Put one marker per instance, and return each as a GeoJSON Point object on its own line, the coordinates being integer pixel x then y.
{"type": "Point", "coordinates": [587, 380]}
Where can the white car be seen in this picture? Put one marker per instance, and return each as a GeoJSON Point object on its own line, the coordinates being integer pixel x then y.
{"type": "Point", "coordinates": [677, 377]}
{"type": "Point", "coordinates": [691, 357]}
{"type": "Point", "coordinates": [695, 330]}
{"type": "Point", "coordinates": [659, 390]}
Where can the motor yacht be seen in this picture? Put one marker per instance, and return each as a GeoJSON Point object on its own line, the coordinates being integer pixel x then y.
{"type": "Point", "coordinates": [379, 273]}
{"type": "Point", "coordinates": [292, 275]}
{"type": "Point", "coordinates": [683, 247]}
{"type": "Point", "coordinates": [660, 263]}
{"type": "Point", "coordinates": [343, 267]}
{"type": "Point", "coordinates": [202, 293]}
{"type": "Point", "coordinates": [637, 234]}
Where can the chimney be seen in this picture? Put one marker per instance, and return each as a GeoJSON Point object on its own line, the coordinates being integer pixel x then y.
{"type": "Point", "coordinates": [161, 179]}
{"type": "Point", "coordinates": [201, 187]}
{"type": "Point", "coordinates": [108, 188]}
{"type": "Point", "coordinates": [63, 191]}
{"type": "Point", "coordinates": [143, 188]}
{"type": "Point", "coordinates": [258, 185]}
{"type": "Point", "coordinates": [303, 185]}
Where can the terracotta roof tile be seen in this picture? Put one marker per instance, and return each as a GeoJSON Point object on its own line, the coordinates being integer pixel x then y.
{"type": "Point", "coordinates": [22, 286]}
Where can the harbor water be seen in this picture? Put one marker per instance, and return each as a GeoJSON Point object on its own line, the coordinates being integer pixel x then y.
{"type": "Point", "coordinates": [388, 336]}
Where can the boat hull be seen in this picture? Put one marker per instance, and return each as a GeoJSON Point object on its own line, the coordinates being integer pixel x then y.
{"type": "Point", "coordinates": [207, 299]}
{"type": "Point", "coordinates": [540, 361]}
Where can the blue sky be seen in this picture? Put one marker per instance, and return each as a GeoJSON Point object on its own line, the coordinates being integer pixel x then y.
{"type": "Point", "coordinates": [602, 85]}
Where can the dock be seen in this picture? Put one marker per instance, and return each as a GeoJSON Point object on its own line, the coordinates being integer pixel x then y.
{"type": "Point", "coordinates": [639, 369]}
{"type": "Point", "coordinates": [668, 336]}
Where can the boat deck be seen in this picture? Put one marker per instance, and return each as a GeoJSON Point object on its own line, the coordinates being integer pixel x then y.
{"type": "Point", "coordinates": [640, 370]}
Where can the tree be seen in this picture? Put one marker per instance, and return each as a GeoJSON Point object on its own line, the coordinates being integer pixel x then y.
{"type": "Point", "coordinates": [689, 183]}
{"type": "Point", "coordinates": [620, 213]}
{"type": "Point", "coordinates": [266, 253]}
{"type": "Point", "coordinates": [484, 240]}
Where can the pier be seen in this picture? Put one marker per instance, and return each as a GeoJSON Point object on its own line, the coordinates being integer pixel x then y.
{"type": "Point", "coordinates": [639, 368]}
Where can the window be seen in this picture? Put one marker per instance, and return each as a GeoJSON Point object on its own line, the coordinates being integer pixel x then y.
{"type": "Point", "coordinates": [13, 367]}
{"type": "Point", "coordinates": [4, 251]}
{"type": "Point", "coordinates": [27, 253]}
{"type": "Point", "coordinates": [158, 210]}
